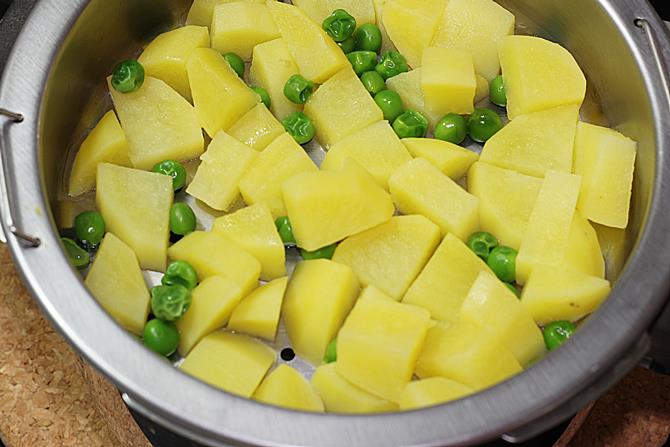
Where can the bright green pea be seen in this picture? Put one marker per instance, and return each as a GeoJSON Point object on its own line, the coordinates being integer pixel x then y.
{"type": "Point", "coordinates": [452, 128]}
{"type": "Point", "coordinates": [368, 38]}
{"type": "Point", "coordinates": [175, 170]}
{"type": "Point", "coordinates": [128, 76]}
{"type": "Point", "coordinates": [411, 124]}
{"type": "Point", "coordinates": [391, 104]}
{"type": "Point", "coordinates": [161, 337]}
{"type": "Point", "coordinates": [557, 333]}
{"type": "Point", "coordinates": [298, 89]}
{"type": "Point", "coordinates": [236, 63]}
{"type": "Point", "coordinates": [483, 124]}
{"type": "Point", "coordinates": [373, 82]}
{"type": "Point", "coordinates": [180, 273]}
{"type": "Point", "coordinates": [300, 127]}
{"type": "Point", "coordinates": [513, 289]}
{"type": "Point", "coordinates": [481, 243]}
{"type": "Point", "coordinates": [392, 64]}
{"type": "Point", "coordinates": [264, 95]}
{"type": "Point", "coordinates": [497, 92]}
{"type": "Point", "coordinates": [340, 25]}
{"type": "Point", "coordinates": [362, 61]}
{"type": "Point", "coordinates": [285, 230]}
{"type": "Point", "coordinates": [331, 352]}
{"type": "Point", "coordinates": [182, 219]}
{"type": "Point", "coordinates": [79, 257]}
{"type": "Point", "coordinates": [502, 261]}
{"type": "Point", "coordinates": [322, 253]}
{"type": "Point", "coordinates": [348, 45]}
{"type": "Point", "coordinates": [170, 303]}
{"type": "Point", "coordinates": [89, 227]}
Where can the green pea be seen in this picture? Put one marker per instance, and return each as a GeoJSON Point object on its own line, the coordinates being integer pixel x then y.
{"type": "Point", "coordinates": [322, 253]}
{"type": "Point", "coordinates": [161, 337]}
{"type": "Point", "coordinates": [513, 289]}
{"type": "Point", "coordinates": [236, 63]}
{"type": "Point", "coordinates": [182, 219]}
{"type": "Point", "coordinates": [483, 124]}
{"type": "Point", "coordinates": [79, 257]}
{"type": "Point", "coordinates": [170, 303]}
{"type": "Point", "coordinates": [340, 25]}
{"type": "Point", "coordinates": [373, 82]}
{"type": "Point", "coordinates": [89, 227]}
{"type": "Point", "coordinates": [411, 124]}
{"type": "Point", "coordinates": [331, 352]}
{"type": "Point", "coordinates": [264, 95]}
{"type": "Point", "coordinates": [128, 76]}
{"type": "Point", "coordinates": [300, 127]}
{"type": "Point", "coordinates": [362, 61]}
{"type": "Point", "coordinates": [557, 333]}
{"type": "Point", "coordinates": [285, 230]}
{"type": "Point", "coordinates": [348, 45]}
{"type": "Point", "coordinates": [180, 273]}
{"type": "Point", "coordinates": [175, 170]}
{"type": "Point", "coordinates": [391, 104]}
{"type": "Point", "coordinates": [392, 64]}
{"type": "Point", "coordinates": [502, 261]}
{"type": "Point", "coordinates": [497, 92]}
{"type": "Point", "coordinates": [452, 128]}
{"type": "Point", "coordinates": [481, 243]}
{"type": "Point", "coordinates": [368, 38]}
{"type": "Point", "coordinates": [298, 89]}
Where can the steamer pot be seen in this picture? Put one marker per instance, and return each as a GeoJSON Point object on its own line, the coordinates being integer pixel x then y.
{"type": "Point", "coordinates": [60, 61]}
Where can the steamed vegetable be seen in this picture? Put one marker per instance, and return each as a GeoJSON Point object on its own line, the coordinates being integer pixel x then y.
{"type": "Point", "coordinates": [89, 227]}
{"type": "Point", "coordinates": [175, 170]}
{"type": "Point", "coordinates": [161, 337]}
{"type": "Point", "coordinates": [180, 273]}
{"type": "Point", "coordinates": [128, 76]}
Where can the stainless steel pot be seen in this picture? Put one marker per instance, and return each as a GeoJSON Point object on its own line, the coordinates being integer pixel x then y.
{"type": "Point", "coordinates": [59, 63]}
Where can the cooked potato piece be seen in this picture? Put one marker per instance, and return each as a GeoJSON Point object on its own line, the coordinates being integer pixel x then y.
{"type": "Point", "coordinates": [452, 159]}
{"type": "Point", "coordinates": [483, 89]}
{"type": "Point", "coordinates": [362, 10]}
{"type": "Point", "coordinates": [615, 245]}
{"type": "Point", "coordinates": [583, 252]}
{"type": "Point", "coordinates": [202, 11]}
{"type": "Point", "coordinates": [258, 314]}
{"type": "Point", "coordinates": [316, 10]}
{"type": "Point", "coordinates": [429, 392]}
{"type": "Point", "coordinates": [448, 80]}
{"type": "Point", "coordinates": [285, 387]}
{"type": "Point", "coordinates": [239, 26]}
{"type": "Point", "coordinates": [408, 86]}
{"type": "Point", "coordinates": [257, 129]}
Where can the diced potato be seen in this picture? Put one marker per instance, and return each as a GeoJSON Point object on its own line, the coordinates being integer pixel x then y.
{"type": "Point", "coordinates": [452, 159]}
{"type": "Point", "coordinates": [341, 396]}
{"type": "Point", "coordinates": [214, 300]}
{"type": "Point", "coordinates": [285, 387]}
{"type": "Point", "coordinates": [377, 148]}
{"type": "Point", "coordinates": [430, 392]}
{"type": "Point", "coordinates": [316, 10]}
{"type": "Point", "coordinates": [614, 245]}
{"type": "Point", "coordinates": [213, 254]}
{"type": "Point", "coordinates": [583, 252]}
{"type": "Point", "coordinates": [325, 207]}
{"type": "Point", "coordinates": [319, 296]}
{"type": "Point", "coordinates": [239, 26]}
{"type": "Point", "coordinates": [421, 188]}
{"type": "Point", "coordinates": [159, 124]}
{"type": "Point", "coordinates": [391, 255]}
{"type": "Point", "coordinates": [316, 54]}
{"type": "Point", "coordinates": [234, 363]}
{"type": "Point", "coordinates": [554, 294]}
{"type": "Point", "coordinates": [202, 11]}
{"type": "Point", "coordinates": [387, 45]}
{"type": "Point", "coordinates": [548, 230]}
{"type": "Point", "coordinates": [221, 98]}
{"type": "Point", "coordinates": [340, 107]}
{"type": "Point", "coordinates": [105, 144]}
{"type": "Point", "coordinates": [67, 210]}
{"type": "Point", "coordinates": [446, 280]}
{"type": "Point", "coordinates": [466, 354]}
{"type": "Point", "coordinates": [253, 228]}
{"type": "Point", "coordinates": [535, 143]}
{"type": "Point", "coordinates": [373, 293]}
{"type": "Point", "coordinates": [258, 128]}
{"type": "Point", "coordinates": [166, 56]}
{"type": "Point", "coordinates": [136, 207]}
{"type": "Point", "coordinates": [539, 75]}
{"type": "Point", "coordinates": [483, 89]}
{"type": "Point", "coordinates": [606, 160]}
{"type": "Point", "coordinates": [448, 80]}
{"type": "Point", "coordinates": [217, 179]}
{"type": "Point", "coordinates": [506, 200]}
{"type": "Point", "coordinates": [378, 346]}
{"type": "Point", "coordinates": [362, 10]}
{"type": "Point", "coordinates": [281, 160]}
{"type": "Point", "coordinates": [477, 26]}
{"type": "Point", "coordinates": [116, 282]}
{"type": "Point", "coordinates": [258, 314]}
{"type": "Point", "coordinates": [408, 86]}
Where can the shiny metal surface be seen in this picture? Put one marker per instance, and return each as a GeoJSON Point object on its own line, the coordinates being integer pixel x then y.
{"type": "Point", "coordinates": [59, 64]}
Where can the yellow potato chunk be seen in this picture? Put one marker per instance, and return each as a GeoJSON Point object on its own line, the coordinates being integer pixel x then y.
{"type": "Point", "coordinates": [340, 107]}
{"type": "Point", "coordinates": [105, 144]}
{"type": "Point", "coordinates": [239, 26]}
{"type": "Point", "coordinates": [483, 89]}
{"type": "Point", "coordinates": [325, 207]}
{"type": "Point", "coordinates": [166, 56]}
{"type": "Point", "coordinates": [136, 207]}
{"type": "Point", "coordinates": [583, 252]}
{"type": "Point", "coordinates": [280, 161]}
{"type": "Point", "coordinates": [159, 124]}
{"type": "Point", "coordinates": [341, 396]}
{"type": "Point", "coordinates": [452, 159]}
{"type": "Point", "coordinates": [421, 188]}
{"type": "Point", "coordinates": [539, 75]}
{"type": "Point", "coordinates": [116, 282]}
{"type": "Point", "coordinates": [477, 26]}
{"type": "Point", "coordinates": [506, 200]}
{"type": "Point", "coordinates": [234, 363]}
{"type": "Point", "coordinates": [257, 129]}
{"type": "Point", "coordinates": [285, 387]}
{"type": "Point", "coordinates": [430, 392]}
{"type": "Point", "coordinates": [202, 11]}
{"type": "Point", "coordinates": [253, 228]}
{"type": "Point", "coordinates": [316, 10]}
{"type": "Point", "coordinates": [606, 160]}
{"type": "Point", "coordinates": [213, 254]}
{"type": "Point", "coordinates": [377, 148]}
{"type": "Point", "coordinates": [378, 346]}
{"type": "Point", "coordinates": [316, 54]}
{"type": "Point", "coordinates": [258, 314]}
{"type": "Point", "coordinates": [448, 80]}
{"type": "Point", "coordinates": [466, 354]}
{"type": "Point", "coordinates": [214, 300]}
{"type": "Point", "coordinates": [391, 255]}
{"type": "Point", "coordinates": [387, 45]}
{"type": "Point", "coordinates": [408, 86]}
{"type": "Point", "coordinates": [446, 280]}
{"type": "Point", "coordinates": [220, 97]}
{"type": "Point", "coordinates": [615, 248]}
{"type": "Point", "coordinates": [535, 143]}
{"type": "Point", "coordinates": [319, 296]}
{"type": "Point", "coordinates": [554, 294]}
{"type": "Point", "coordinates": [223, 165]}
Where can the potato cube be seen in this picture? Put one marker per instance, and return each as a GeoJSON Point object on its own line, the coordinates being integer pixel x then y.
{"type": "Point", "coordinates": [583, 252]}
{"type": "Point", "coordinates": [234, 363]}
{"type": "Point", "coordinates": [316, 10]}
{"type": "Point", "coordinates": [606, 160]}
{"type": "Point", "coordinates": [202, 11]}
{"type": "Point", "coordinates": [615, 246]}
{"type": "Point", "coordinates": [116, 282]}
{"type": "Point", "coordinates": [257, 129]}
{"type": "Point", "coordinates": [140, 219]}
{"type": "Point", "coordinates": [239, 26]}
{"type": "Point", "coordinates": [319, 296]}
{"type": "Point", "coordinates": [258, 314]}
{"type": "Point", "coordinates": [285, 387]}
{"type": "Point", "coordinates": [421, 188]}
{"type": "Point", "coordinates": [387, 44]}
{"type": "Point", "coordinates": [448, 80]}
{"type": "Point", "coordinates": [408, 86]}
{"type": "Point", "coordinates": [483, 89]}
{"type": "Point", "coordinates": [391, 255]}
{"type": "Point", "coordinates": [430, 392]}
{"type": "Point", "coordinates": [452, 159]}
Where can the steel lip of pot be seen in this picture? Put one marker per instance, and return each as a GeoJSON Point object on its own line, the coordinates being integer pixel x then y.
{"type": "Point", "coordinates": [195, 409]}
